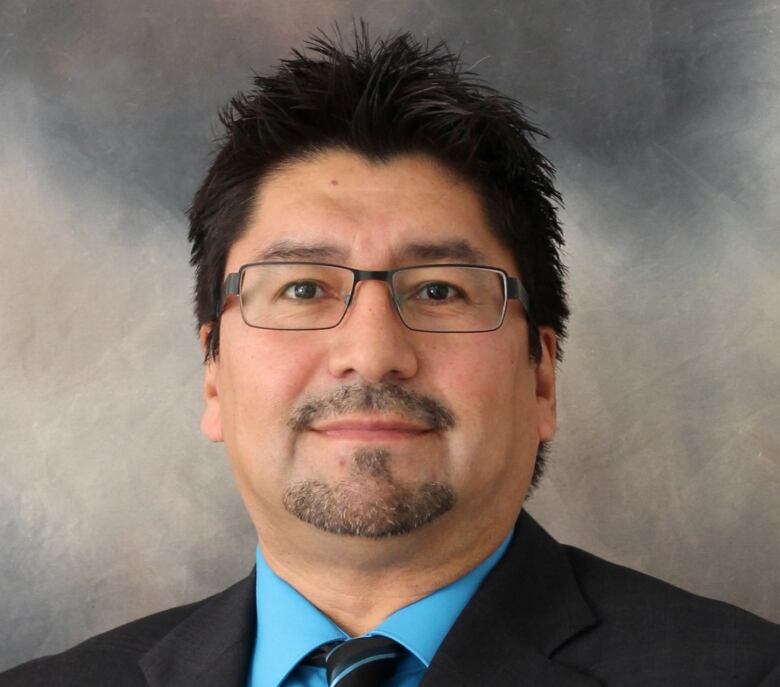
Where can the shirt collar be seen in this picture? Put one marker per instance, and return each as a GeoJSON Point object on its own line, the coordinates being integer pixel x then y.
{"type": "Point", "coordinates": [422, 626]}
{"type": "Point", "coordinates": [289, 626]}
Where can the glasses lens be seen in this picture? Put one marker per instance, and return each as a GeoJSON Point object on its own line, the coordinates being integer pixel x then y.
{"type": "Point", "coordinates": [294, 295]}
{"type": "Point", "coordinates": [450, 299]}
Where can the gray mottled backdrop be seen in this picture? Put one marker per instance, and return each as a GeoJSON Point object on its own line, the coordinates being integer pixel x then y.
{"type": "Point", "coordinates": [666, 131]}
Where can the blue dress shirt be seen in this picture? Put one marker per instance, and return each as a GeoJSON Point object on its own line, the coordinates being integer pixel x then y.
{"type": "Point", "coordinates": [289, 627]}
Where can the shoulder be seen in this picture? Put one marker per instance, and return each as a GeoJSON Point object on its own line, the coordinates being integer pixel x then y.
{"type": "Point", "coordinates": [113, 654]}
{"type": "Point", "coordinates": [672, 628]}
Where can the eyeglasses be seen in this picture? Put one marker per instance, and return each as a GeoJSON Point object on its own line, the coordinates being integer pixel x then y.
{"type": "Point", "coordinates": [428, 298]}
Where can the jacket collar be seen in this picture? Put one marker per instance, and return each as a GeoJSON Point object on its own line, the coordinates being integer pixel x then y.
{"type": "Point", "coordinates": [212, 647]}
{"type": "Point", "coordinates": [527, 608]}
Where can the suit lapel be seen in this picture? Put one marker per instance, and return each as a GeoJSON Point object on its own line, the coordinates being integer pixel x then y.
{"type": "Point", "coordinates": [212, 647]}
{"type": "Point", "coordinates": [527, 608]}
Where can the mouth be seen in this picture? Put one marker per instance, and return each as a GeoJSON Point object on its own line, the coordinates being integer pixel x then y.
{"type": "Point", "coordinates": [370, 430]}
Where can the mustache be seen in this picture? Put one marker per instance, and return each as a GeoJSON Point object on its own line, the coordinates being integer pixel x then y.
{"type": "Point", "coordinates": [392, 398]}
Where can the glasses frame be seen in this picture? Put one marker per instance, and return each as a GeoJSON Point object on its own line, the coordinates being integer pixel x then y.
{"type": "Point", "coordinates": [513, 289]}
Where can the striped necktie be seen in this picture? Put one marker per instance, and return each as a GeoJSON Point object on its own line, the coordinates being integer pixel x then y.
{"type": "Point", "coordinates": [359, 662]}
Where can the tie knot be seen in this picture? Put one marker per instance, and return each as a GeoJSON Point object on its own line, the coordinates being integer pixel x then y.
{"type": "Point", "coordinates": [362, 662]}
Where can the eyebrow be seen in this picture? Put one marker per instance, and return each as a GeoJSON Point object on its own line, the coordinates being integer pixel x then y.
{"type": "Point", "coordinates": [456, 250]}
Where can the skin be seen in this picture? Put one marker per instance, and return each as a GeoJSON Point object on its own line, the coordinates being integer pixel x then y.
{"type": "Point", "coordinates": [502, 401]}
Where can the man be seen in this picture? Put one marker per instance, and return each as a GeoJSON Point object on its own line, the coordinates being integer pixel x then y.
{"type": "Point", "coordinates": [381, 307]}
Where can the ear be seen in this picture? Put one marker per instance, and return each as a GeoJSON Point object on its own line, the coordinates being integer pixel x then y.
{"type": "Point", "coordinates": [545, 385]}
{"type": "Point", "coordinates": [211, 420]}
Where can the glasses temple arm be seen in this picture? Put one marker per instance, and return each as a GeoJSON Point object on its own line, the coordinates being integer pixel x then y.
{"type": "Point", "coordinates": [515, 289]}
{"type": "Point", "coordinates": [229, 288]}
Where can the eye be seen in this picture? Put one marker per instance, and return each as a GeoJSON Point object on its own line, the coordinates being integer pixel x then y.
{"type": "Point", "coordinates": [438, 291]}
{"type": "Point", "coordinates": [302, 290]}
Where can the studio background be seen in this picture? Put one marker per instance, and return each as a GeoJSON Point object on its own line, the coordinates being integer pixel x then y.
{"type": "Point", "coordinates": [665, 125]}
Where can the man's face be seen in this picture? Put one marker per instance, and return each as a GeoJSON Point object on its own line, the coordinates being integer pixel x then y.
{"type": "Point", "coordinates": [297, 410]}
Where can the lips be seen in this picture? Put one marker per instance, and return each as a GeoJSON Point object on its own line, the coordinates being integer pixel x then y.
{"type": "Point", "coordinates": [369, 428]}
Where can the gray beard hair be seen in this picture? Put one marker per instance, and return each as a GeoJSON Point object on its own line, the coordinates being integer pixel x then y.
{"type": "Point", "coordinates": [372, 504]}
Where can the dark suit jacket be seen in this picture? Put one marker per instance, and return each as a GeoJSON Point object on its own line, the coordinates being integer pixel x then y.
{"type": "Point", "coordinates": [546, 616]}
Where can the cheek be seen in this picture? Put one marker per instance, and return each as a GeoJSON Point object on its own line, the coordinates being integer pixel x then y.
{"type": "Point", "coordinates": [265, 378]}
{"type": "Point", "coordinates": [488, 382]}
{"type": "Point", "coordinates": [492, 395]}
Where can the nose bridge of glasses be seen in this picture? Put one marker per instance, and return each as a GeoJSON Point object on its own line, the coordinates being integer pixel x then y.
{"type": "Point", "coordinates": [385, 276]}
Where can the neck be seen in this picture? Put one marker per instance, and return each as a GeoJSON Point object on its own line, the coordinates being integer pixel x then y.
{"type": "Point", "coordinates": [359, 582]}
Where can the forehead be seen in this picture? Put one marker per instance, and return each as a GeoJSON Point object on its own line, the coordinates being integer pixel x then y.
{"type": "Point", "coordinates": [341, 207]}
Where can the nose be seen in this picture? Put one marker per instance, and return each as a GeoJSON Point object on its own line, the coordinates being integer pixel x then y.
{"type": "Point", "coordinates": [371, 341]}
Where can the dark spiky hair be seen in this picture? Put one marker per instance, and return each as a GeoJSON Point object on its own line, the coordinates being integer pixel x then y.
{"type": "Point", "coordinates": [383, 99]}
